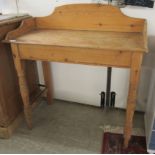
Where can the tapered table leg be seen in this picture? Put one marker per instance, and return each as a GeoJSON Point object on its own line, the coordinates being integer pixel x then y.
{"type": "Point", "coordinates": [48, 80]}
{"type": "Point", "coordinates": [133, 86]}
{"type": "Point", "coordinates": [22, 85]}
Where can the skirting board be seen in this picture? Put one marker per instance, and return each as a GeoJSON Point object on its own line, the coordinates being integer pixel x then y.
{"type": "Point", "coordinates": [6, 132]}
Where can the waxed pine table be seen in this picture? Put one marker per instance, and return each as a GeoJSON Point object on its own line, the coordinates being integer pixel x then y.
{"type": "Point", "coordinates": [88, 34]}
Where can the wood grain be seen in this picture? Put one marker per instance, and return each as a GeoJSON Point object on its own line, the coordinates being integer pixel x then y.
{"type": "Point", "coordinates": [4, 29]}
{"type": "Point", "coordinates": [90, 17]}
{"type": "Point", "coordinates": [75, 55]}
{"type": "Point", "coordinates": [26, 26]}
{"type": "Point", "coordinates": [132, 97]}
{"type": "Point", "coordinates": [22, 85]}
{"type": "Point", "coordinates": [145, 37]}
{"type": "Point", "coordinates": [47, 71]}
{"type": "Point", "coordinates": [10, 98]}
{"type": "Point", "coordinates": [84, 34]}
{"type": "Point", "coordinates": [85, 39]}
{"type": "Point", "coordinates": [15, 19]}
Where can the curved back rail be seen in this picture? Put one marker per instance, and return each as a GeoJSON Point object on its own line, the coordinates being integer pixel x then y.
{"type": "Point", "coordinates": [93, 17]}
{"type": "Point", "coordinates": [90, 17]}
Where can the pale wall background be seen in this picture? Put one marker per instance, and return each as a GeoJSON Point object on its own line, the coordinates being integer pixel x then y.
{"type": "Point", "coordinates": [81, 83]}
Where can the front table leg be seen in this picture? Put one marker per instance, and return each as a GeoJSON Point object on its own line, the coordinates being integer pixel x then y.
{"type": "Point", "coordinates": [23, 85]}
{"type": "Point", "coordinates": [133, 86]}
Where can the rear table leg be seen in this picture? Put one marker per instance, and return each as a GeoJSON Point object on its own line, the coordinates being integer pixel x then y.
{"type": "Point", "coordinates": [48, 80]}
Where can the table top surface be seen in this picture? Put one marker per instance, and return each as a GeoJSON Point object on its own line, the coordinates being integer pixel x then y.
{"type": "Point", "coordinates": [124, 41]}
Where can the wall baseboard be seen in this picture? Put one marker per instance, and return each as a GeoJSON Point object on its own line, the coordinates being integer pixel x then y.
{"type": "Point", "coordinates": [6, 132]}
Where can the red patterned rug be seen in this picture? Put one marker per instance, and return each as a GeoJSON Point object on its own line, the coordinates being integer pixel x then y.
{"type": "Point", "coordinates": [113, 144]}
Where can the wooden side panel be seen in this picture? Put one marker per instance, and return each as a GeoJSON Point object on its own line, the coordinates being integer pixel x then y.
{"type": "Point", "coordinates": [26, 26]}
{"type": "Point", "coordinates": [75, 55]}
{"type": "Point", "coordinates": [90, 17]}
{"type": "Point", "coordinates": [10, 102]}
{"type": "Point", "coordinates": [6, 28]}
{"type": "Point", "coordinates": [10, 98]}
{"type": "Point", "coordinates": [9, 20]}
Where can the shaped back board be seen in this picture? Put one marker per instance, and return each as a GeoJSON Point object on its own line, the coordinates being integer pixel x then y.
{"type": "Point", "coordinates": [90, 17]}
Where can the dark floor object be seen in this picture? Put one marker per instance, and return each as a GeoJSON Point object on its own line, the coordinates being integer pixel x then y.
{"type": "Point", "coordinates": [113, 144]}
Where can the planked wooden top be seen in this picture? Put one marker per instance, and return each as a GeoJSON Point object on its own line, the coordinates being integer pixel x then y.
{"type": "Point", "coordinates": [84, 26]}
{"type": "Point", "coordinates": [85, 39]}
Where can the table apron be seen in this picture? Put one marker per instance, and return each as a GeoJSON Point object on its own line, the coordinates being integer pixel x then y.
{"type": "Point", "coordinates": [113, 58]}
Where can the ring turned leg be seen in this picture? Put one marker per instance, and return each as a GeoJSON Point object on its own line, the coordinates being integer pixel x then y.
{"type": "Point", "coordinates": [22, 85]}
{"type": "Point", "coordinates": [48, 80]}
{"type": "Point", "coordinates": [131, 104]}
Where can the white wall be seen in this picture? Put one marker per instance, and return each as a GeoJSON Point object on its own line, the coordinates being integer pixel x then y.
{"type": "Point", "coordinates": [81, 83]}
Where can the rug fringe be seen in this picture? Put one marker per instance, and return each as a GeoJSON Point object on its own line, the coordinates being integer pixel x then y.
{"type": "Point", "coordinates": [120, 130]}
